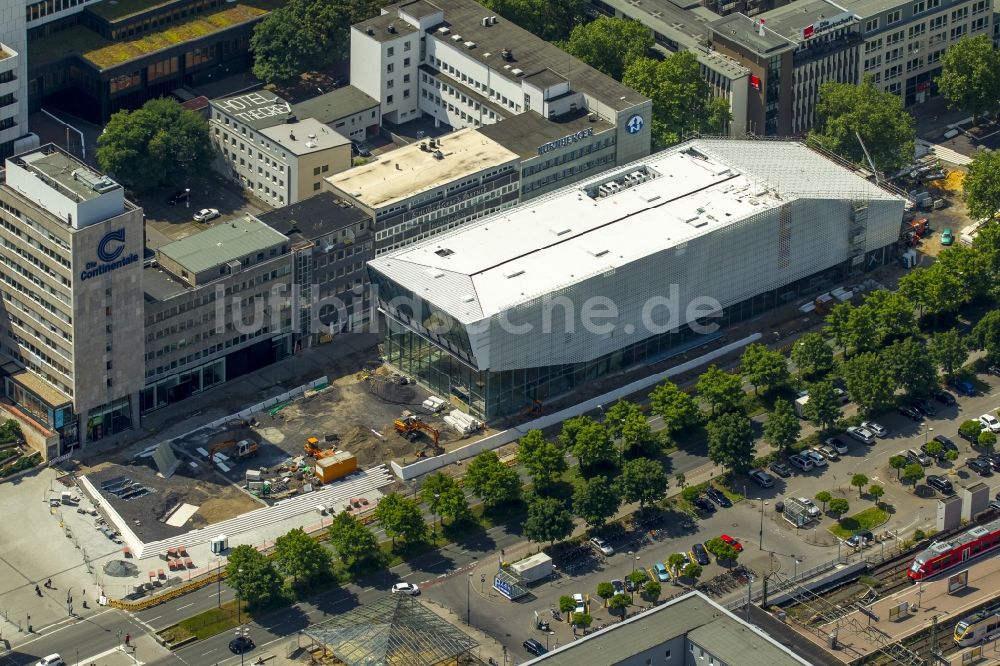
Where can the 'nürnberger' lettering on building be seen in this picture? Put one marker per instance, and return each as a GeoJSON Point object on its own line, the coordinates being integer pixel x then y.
{"type": "Point", "coordinates": [566, 140]}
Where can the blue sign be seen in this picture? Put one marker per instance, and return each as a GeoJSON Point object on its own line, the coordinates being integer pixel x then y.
{"type": "Point", "coordinates": [109, 251]}
{"type": "Point", "coordinates": [503, 587]}
{"type": "Point", "coordinates": [634, 124]}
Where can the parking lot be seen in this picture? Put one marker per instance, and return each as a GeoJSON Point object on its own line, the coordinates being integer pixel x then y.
{"type": "Point", "coordinates": [783, 547]}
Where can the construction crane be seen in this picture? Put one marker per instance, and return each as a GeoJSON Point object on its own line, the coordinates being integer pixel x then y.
{"type": "Point", "coordinates": [312, 449]}
{"type": "Point", "coordinates": [244, 449]}
{"type": "Point", "coordinates": [410, 425]}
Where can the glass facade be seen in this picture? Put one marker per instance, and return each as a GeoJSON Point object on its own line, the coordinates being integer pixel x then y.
{"type": "Point", "coordinates": [448, 370]}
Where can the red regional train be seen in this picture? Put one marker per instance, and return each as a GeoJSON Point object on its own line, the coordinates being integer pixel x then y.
{"type": "Point", "coordinates": [943, 555]}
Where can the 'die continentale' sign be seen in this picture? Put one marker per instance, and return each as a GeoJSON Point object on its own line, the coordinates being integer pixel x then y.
{"type": "Point", "coordinates": [109, 255]}
{"type": "Point", "coordinates": [566, 140]}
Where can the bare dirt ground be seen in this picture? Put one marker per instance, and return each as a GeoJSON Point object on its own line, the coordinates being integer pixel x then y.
{"type": "Point", "coordinates": [215, 498]}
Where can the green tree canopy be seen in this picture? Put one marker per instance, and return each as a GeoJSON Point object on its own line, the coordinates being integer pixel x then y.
{"type": "Point", "coordinates": [617, 414]}
{"type": "Point", "coordinates": [730, 442]}
{"type": "Point", "coordinates": [609, 44]}
{"type": "Point", "coordinates": [444, 496]}
{"type": "Point", "coordinates": [782, 427]}
{"type": "Point", "coordinates": [552, 20]}
{"type": "Point", "coordinates": [970, 76]}
{"type": "Point", "coordinates": [642, 480]}
{"type": "Point", "coordinates": [722, 550]}
{"type": "Point", "coordinates": [693, 570]}
{"type": "Point", "coordinates": [913, 472]}
{"type": "Point", "coordinates": [543, 460]}
{"type": "Point", "coordinates": [400, 517]}
{"type": "Point", "coordinates": [859, 481]}
{"type": "Point", "coordinates": [823, 497]}
{"type": "Point", "coordinates": [950, 351]}
{"type": "Point", "coordinates": [823, 408]}
{"type": "Point", "coordinates": [593, 448]}
{"type": "Point", "coordinates": [869, 381]}
{"type": "Point", "coordinates": [682, 101]}
{"type": "Point", "coordinates": [981, 186]}
{"type": "Point", "coordinates": [876, 492]}
{"type": "Point", "coordinates": [637, 436]}
{"type": "Point", "coordinates": [305, 35]}
{"type": "Point", "coordinates": [605, 590]}
{"type": "Point", "coordinates": [492, 481]}
{"type": "Point", "coordinates": [986, 334]}
{"type": "Point", "coordinates": [298, 555]}
{"type": "Point", "coordinates": [159, 144]}
{"type": "Point", "coordinates": [911, 367]}
{"type": "Point", "coordinates": [812, 355]}
{"type": "Point", "coordinates": [620, 602]}
{"type": "Point", "coordinates": [595, 500]}
{"type": "Point", "coordinates": [763, 367]}
{"type": "Point", "coordinates": [893, 313]}
{"type": "Point", "coordinates": [252, 576]}
{"type": "Point", "coordinates": [354, 543]}
{"type": "Point", "coordinates": [652, 590]}
{"type": "Point", "coordinates": [839, 506]}
{"type": "Point", "coordinates": [677, 408]}
{"type": "Point", "coordinates": [987, 440]}
{"type": "Point", "coordinates": [970, 429]}
{"type": "Point", "coordinates": [863, 332]}
{"type": "Point", "coordinates": [548, 520]}
{"type": "Point", "coordinates": [838, 324]}
{"type": "Point", "coordinates": [844, 111]}
{"type": "Point", "coordinates": [936, 289]}
{"type": "Point", "coordinates": [897, 462]}
{"type": "Point", "coordinates": [722, 390]}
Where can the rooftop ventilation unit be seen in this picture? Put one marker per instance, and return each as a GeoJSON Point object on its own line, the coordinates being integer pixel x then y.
{"type": "Point", "coordinates": [96, 182]}
{"type": "Point", "coordinates": [560, 231]}
{"type": "Point", "coordinates": [507, 55]}
{"type": "Point", "coordinates": [444, 30]}
{"type": "Point", "coordinates": [468, 298]}
{"type": "Point", "coordinates": [513, 273]}
{"type": "Point", "coordinates": [370, 30]}
{"type": "Point", "coordinates": [470, 45]}
{"type": "Point", "coordinates": [517, 72]}
{"type": "Point", "coordinates": [486, 21]}
{"type": "Point", "coordinates": [310, 144]}
{"type": "Point", "coordinates": [435, 273]}
{"type": "Point", "coordinates": [598, 253]}
{"type": "Point", "coordinates": [493, 20]}
{"type": "Point", "coordinates": [438, 155]}
{"type": "Point", "coordinates": [443, 252]}
{"type": "Point", "coordinates": [312, 136]}
{"type": "Point", "coordinates": [391, 29]}
{"type": "Point", "coordinates": [456, 38]}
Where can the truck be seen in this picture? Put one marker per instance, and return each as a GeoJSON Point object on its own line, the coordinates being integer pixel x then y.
{"type": "Point", "coordinates": [533, 568]}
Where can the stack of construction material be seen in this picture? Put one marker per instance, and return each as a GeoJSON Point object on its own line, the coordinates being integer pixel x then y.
{"type": "Point", "coordinates": [462, 422]}
{"type": "Point", "coordinates": [433, 404]}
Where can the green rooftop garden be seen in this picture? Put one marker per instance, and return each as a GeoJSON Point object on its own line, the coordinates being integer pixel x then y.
{"type": "Point", "coordinates": [106, 54]}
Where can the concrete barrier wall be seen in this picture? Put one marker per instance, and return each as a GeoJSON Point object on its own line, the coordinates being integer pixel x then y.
{"type": "Point", "coordinates": [411, 471]}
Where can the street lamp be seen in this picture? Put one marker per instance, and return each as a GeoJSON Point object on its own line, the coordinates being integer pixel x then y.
{"type": "Point", "coordinates": [239, 600]}
{"type": "Point", "coordinates": [796, 574]}
{"type": "Point", "coordinates": [468, 600]}
{"type": "Point", "coordinates": [218, 577]}
{"type": "Point", "coordinates": [927, 431]}
{"type": "Point", "coordinates": [437, 496]}
{"type": "Point", "coordinates": [187, 198]}
{"type": "Point", "coordinates": [762, 523]}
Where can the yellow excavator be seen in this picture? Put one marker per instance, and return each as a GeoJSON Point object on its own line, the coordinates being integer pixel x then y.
{"type": "Point", "coordinates": [410, 425]}
{"type": "Point", "coordinates": [312, 449]}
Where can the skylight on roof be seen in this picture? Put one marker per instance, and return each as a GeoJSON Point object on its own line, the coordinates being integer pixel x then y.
{"type": "Point", "coordinates": [443, 252]}
{"type": "Point", "coordinates": [513, 273]}
{"type": "Point", "coordinates": [435, 273]}
{"type": "Point", "coordinates": [560, 231]}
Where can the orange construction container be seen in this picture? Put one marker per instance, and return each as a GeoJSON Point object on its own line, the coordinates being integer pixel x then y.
{"type": "Point", "coordinates": [338, 465]}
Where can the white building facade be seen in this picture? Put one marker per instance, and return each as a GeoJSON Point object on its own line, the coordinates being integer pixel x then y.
{"type": "Point", "coordinates": [494, 315]}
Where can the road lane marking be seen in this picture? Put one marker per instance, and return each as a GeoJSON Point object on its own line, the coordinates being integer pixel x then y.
{"type": "Point", "coordinates": [185, 606]}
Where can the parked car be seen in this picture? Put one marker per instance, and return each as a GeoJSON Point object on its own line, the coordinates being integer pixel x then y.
{"type": "Point", "coordinates": [718, 497]}
{"type": "Point", "coordinates": [206, 214]}
{"type": "Point", "coordinates": [941, 484]}
{"type": "Point", "coordinates": [360, 149]}
{"type": "Point", "coordinates": [945, 398]}
{"type": "Point", "coordinates": [534, 647]}
{"type": "Point", "coordinates": [603, 546]}
{"type": "Point", "coordinates": [51, 660]}
{"type": "Point", "coordinates": [632, 586]}
{"type": "Point", "coordinates": [179, 197]}
{"type": "Point", "coordinates": [700, 555]}
{"type": "Point", "coordinates": [910, 413]}
{"type": "Point", "coordinates": [761, 478]}
{"type": "Point", "coordinates": [661, 572]}
{"type": "Point", "coordinates": [618, 586]}
{"type": "Point", "coordinates": [735, 543]}
{"type": "Point", "coordinates": [964, 387]}
{"type": "Point", "coordinates": [980, 466]}
{"type": "Point", "coordinates": [800, 461]}
{"type": "Point", "coordinates": [814, 457]}
{"type": "Point", "coordinates": [991, 459]}
{"type": "Point", "coordinates": [994, 370]}
{"type": "Point", "coordinates": [860, 539]}
{"type": "Point", "coordinates": [915, 456]}
{"type": "Point", "coordinates": [837, 444]}
{"type": "Point", "coordinates": [990, 422]}
{"type": "Point", "coordinates": [863, 435]}
{"type": "Point", "coordinates": [687, 561]}
{"type": "Point", "coordinates": [947, 237]}
{"type": "Point", "coordinates": [827, 452]}
{"type": "Point", "coordinates": [875, 428]}
{"type": "Point", "coordinates": [703, 504]}
{"type": "Point", "coordinates": [924, 407]}
{"type": "Point", "coordinates": [946, 443]}
{"type": "Point", "coordinates": [811, 506]}
{"type": "Point", "coordinates": [241, 644]}
{"type": "Point", "coordinates": [579, 603]}
{"type": "Point", "coordinates": [406, 588]}
{"type": "Point", "coordinates": [781, 469]}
